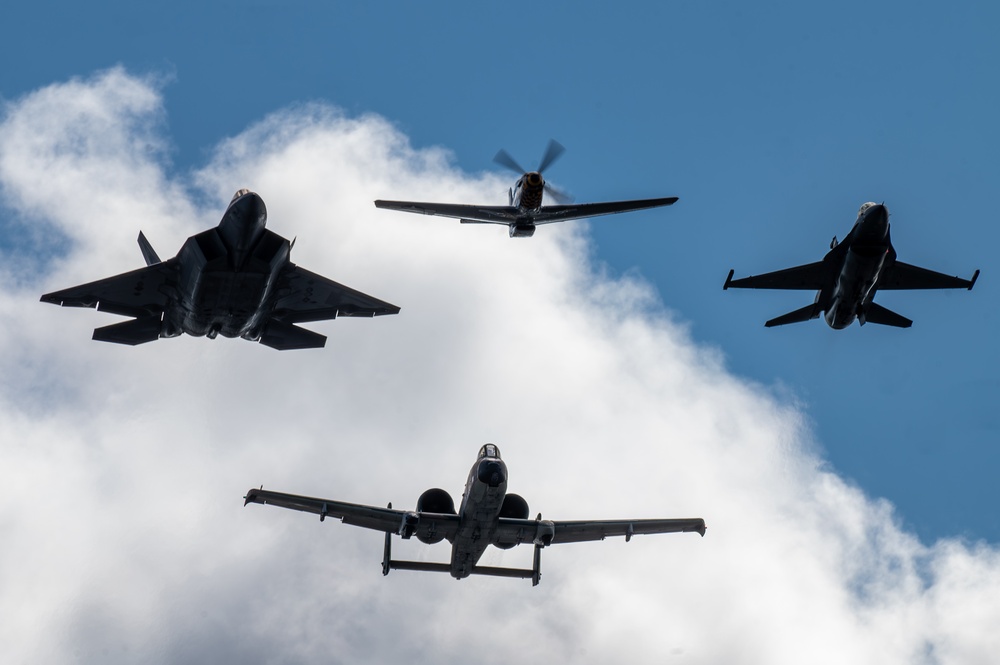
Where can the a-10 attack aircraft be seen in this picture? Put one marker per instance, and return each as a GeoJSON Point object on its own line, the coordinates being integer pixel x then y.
{"type": "Point", "coordinates": [525, 210]}
{"type": "Point", "coordinates": [850, 274]}
{"type": "Point", "coordinates": [488, 516]}
{"type": "Point", "coordinates": [234, 280]}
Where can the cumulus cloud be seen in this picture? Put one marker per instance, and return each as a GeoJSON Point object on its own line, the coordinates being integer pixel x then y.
{"type": "Point", "coordinates": [123, 468]}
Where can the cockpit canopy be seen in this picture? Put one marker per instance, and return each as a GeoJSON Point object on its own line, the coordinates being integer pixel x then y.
{"type": "Point", "coordinates": [238, 194]}
{"type": "Point", "coordinates": [865, 207]}
{"type": "Point", "coordinates": [489, 450]}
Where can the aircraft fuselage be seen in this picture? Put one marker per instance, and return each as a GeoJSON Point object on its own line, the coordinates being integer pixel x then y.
{"type": "Point", "coordinates": [227, 275]}
{"type": "Point", "coordinates": [479, 514]}
{"type": "Point", "coordinates": [863, 255]}
{"type": "Point", "coordinates": [527, 198]}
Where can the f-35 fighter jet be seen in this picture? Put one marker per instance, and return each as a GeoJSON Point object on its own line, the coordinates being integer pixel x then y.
{"type": "Point", "coordinates": [487, 516]}
{"type": "Point", "coordinates": [234, 280]}
{"type": "Point", "coordinates": [524, 210]}
{"type": "Point", "coordinates": [848, 277]}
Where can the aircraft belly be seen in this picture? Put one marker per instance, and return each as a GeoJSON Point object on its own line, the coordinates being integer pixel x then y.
{"type": "Point", "coordinates": [854, 285]}
{"type": "Point", "coordinates": [225, 303]}
{"type": "Point", "coordinates": [479, 522]}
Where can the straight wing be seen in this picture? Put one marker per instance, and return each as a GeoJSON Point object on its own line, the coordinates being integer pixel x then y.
{"type": "Point", "coordinates": [370, 517]}
{"type": "Point", "coordinates": [904, 276]}
{"type": "Point", "coordinates": [561, 213]}
{"type": "Point", "coordinates": [514, 531]}
{"type": "Point", "coordinates": [466, 213]}
{"type": "Point", "coordinates": [138, 293]}
{"type": "Point", "coordinates": [809, 277]}
{"type": "Point", "coordinates": [305, 296]}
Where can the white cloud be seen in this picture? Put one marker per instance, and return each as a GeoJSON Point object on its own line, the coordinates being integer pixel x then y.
{"type": "Point", "coordinates": [120, 509]}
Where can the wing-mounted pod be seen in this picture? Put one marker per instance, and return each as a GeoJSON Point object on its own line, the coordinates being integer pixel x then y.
{"type": "Point", "coordinates": [434, 500]}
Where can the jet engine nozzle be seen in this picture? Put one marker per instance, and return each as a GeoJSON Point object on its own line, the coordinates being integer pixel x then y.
{"type": "Point", "coordinates": [491, 472]}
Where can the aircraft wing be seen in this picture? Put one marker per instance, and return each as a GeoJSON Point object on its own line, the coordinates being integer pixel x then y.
{"type": "Point", "coordinates": [810, 277]}
{"type": "Point", "coordinates": [561, 213]}
{"type": "Point", "coordinates": [904, 276]}
{"type": "Point", "coordinates": [512, 530]}
{"type": "Point", "coordinates": [305, 296]}
{"type": "Point", "coordinates": [137, 293]}
{"type": "Point", "coordinates": [386, 520]}
{"type": "Point", "coordinates": [467, 213]}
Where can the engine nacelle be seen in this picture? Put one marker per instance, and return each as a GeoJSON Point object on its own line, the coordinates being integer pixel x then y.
{"type": "Point", "coordinates": [434, 500]}
{"type": "Point", "coordinates": [514, 506]}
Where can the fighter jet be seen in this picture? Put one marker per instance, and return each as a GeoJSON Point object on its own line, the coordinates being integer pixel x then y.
{"type": "Point", "coordinates": [524, 210]}
{"type": "Point", "coordinates": [848, 277]}
{"type": "Point", "coordinates": [234, 280]}
{"type": "Point", "coordinates": [488, 516]}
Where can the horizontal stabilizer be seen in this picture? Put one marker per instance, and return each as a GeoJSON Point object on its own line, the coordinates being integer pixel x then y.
{"type": "Point", "coordinates": [286, 336]}
{"type": "Point", "coordinates": [136, 331]}
{"type": "Point", "coordinates": [882, 316]}
{"type": "Point", "coordinates": [798, 316]}
{"type": "Point", "coordinates": [148, 253]}
{"type": "Point", "coordinates": [519, 573]}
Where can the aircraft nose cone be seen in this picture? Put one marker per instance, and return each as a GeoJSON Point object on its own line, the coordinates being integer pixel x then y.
{"type": "Point", "coordinates": [535, 179]}
{"type": "Point", "coordinates": [876, 221]}
{"type": "Point", "coordinates": [491, 472]}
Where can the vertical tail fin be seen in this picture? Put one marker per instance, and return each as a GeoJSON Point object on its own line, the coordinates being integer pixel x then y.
{"type": "Point", "coordinates": [148, 253]}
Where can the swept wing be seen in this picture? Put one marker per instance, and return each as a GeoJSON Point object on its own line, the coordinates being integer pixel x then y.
{"type": "Point", "coordinates": [305, 296]}
{"type": "Point", "coordinates": [905, 276]}
{"type": "Point", "coordinates": [809, 277]}
{"type": "Point", "coordinates": [138, 293]}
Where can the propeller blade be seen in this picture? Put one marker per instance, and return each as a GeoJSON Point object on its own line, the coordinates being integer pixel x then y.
{"type": "Point", "coordinates": [559, 196]}
{"type": "Point", "coordinates": [503, 158]}
{"type": "Point", "coordinates": [552, 153]}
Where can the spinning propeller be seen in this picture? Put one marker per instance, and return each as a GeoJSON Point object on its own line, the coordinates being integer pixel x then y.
{"type": "Point", "coordinates": [552, 153]}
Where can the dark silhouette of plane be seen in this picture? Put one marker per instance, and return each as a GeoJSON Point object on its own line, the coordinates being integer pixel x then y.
{"type": "Point", "coordinates": [525, 210]}
{"type": "Point", "coordinates": [235, 280]}
{"type": "Point", "coordinates": [848, 277]}
{"type": "Point", "coordinates": [487, 516]}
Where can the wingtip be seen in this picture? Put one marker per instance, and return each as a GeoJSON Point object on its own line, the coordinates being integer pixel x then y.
{"type": "Point", "coordinates": [729, 279]}
{"type": "Point", "coordinates": [975, 276]}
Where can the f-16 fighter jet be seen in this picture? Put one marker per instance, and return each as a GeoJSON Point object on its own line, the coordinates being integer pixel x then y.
{"type": "Point", "coordinates": [487, 516]}
{"type": "Point", "coordinates": [848, 277]}
{"type": "Point", "coordinates": [524, 210]}
{"type": "Point", "coordinates": [235, 280]}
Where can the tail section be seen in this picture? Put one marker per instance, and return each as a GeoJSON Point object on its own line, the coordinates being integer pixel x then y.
{"type": "Point", "coordinates": [285, 336]}
{"type": "Point", "coordinates": [807, 313]}
{"type": "Point", "coordinates": [148, 253]}
{"type": "Point", "coordinates": [137, 331]}
{"type": "Point", "coordinates": [877, 314]}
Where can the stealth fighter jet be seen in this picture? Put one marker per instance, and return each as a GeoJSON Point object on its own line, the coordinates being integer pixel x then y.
{"type": "Point", "coordinates": [487, 516]}
{"type": "Point", "coordinates": [524, 210]}
{"type": "Point", "coordinates": [850, 274]}
{"type": "Point", "coordinates": [234, 280]}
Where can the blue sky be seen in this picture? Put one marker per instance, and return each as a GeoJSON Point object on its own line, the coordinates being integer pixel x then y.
{"type": "Point", "coordinates": [771, 123]}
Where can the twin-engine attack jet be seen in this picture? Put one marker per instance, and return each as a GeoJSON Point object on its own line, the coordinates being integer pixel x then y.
{"type": "Point", "coordinates": [488, 516]}
{"type": "Point", "coordinates": [234, 280]}
{"type": "Point", "coordinates": [525, 210]}
{"type": "Point", "coordinates": [849, 275]}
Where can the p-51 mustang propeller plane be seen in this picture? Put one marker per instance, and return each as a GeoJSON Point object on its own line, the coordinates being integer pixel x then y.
{"type": "Point", "coordinates": [524, 210]}
{"type": "Point", "coordinates": [487, 516]}
{"type": "Point", "coordinates": [850, 274]}
{"type": "Point", "coordinates": [234, 280]}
